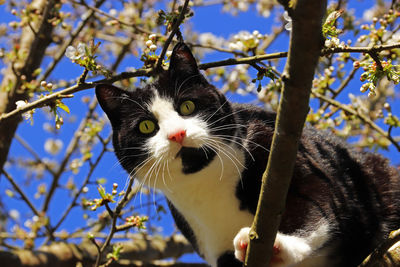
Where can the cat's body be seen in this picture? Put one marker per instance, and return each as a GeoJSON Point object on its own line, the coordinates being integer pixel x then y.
{"type": "Point", "coordinates": [180, 135]}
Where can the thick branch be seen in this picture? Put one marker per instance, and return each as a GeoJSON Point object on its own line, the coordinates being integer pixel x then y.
{"type": "Point", "coordinates": [140, 248]}
{"type": "Point", "coordinates": [305, 48]}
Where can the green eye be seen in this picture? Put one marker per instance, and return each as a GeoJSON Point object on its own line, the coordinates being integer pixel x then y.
{"type": "Point", "coordinates": [187, 107]}
{"type": "Point", "coordinates": [147, 126]}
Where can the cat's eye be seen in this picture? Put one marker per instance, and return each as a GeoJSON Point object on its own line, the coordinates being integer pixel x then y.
{"type": "Point", "coordinates": [187, 107]}
{"type": "Point", "coordinates": [147, 126]}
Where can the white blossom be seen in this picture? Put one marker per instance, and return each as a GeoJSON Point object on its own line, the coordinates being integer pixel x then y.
{"type": "Point", "coordinates": [149, 43]}
{"type": "Point", "coordinates": [264, 7]}
{"type": "Point", "coordinates": [208, 38]}
{"type": "Point", "coordinates": [75, 53]}
{"type": "Point", "coordinates": [53, 146]}
{"type": "Point", "coordinates": [20, 104]}
{"type": "Point", "coordinates": [244, 40]}
{"type": "Point", "coordinates": [333, 42]}
{"type": "Point", "coordinates": [152, 36]}
{"type": "Point", "coordinates": [368, 14]}
{"type": "Point", "coordinates": [14, 214]}
{"type": "Point", "coordinates": [153, 47]}
{"type": "Point", "coordinates": [113, 12]}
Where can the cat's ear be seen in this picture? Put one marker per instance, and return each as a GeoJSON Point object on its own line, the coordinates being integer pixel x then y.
{"type": "Point", "coordinates": [111, 99]}
{"type": "Point", "coordinates": [182, 63]}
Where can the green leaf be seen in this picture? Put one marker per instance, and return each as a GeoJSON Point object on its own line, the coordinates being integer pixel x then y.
{"type": "Point", "coordinates": [63, 107]}
{"type": "Point", "coordinates": [102, 191]}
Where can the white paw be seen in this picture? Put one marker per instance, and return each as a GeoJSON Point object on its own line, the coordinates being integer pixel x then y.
{"type": "Point", "coordinates": [240, 243]}
{"type": "Point", "coordinates": [289, 250]}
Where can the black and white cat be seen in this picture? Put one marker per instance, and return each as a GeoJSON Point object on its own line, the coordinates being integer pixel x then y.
{"type": "Point", "coordinates": [207, 155]}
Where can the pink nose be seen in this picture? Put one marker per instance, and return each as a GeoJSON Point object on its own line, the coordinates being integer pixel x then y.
{"type": "Point", "coordinates": [177, 136]}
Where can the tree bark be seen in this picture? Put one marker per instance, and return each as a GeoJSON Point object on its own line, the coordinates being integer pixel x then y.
{"type": "Point", "coordinates": [33, 44]}
{"type": "Point", "coordinates": [305, 47]}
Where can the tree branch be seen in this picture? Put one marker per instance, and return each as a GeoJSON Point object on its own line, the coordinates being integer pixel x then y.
{"type": "Point", "coordinates": [175, 29]}
{"type": "Point", "coordinates": [387, 254]}
{"type": "Point", "coordinates": [150, 71]}
{"type": "Point", "coordinates": [21, 193]}
{"type": "Point", "coordinates": [305, 48]}
{"type": "Point", "coordinates": [364, 118]}
{"type": "Point", "coordinates": [141, 248]}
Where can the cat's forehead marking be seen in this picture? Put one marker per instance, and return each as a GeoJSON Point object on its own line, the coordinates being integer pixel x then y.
{"type": "Point", "coordinates": [161, 107]}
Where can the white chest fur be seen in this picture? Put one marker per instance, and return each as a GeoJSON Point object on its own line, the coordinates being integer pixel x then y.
{"type": "Point", "coordinates": [208, 202]}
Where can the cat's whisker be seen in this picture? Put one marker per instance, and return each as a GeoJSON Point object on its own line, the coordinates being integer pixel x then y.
{"type": "Point", "coordinates": [220, 142]}
{"type": "Point", "coordinates": [227, 137]}
{"type": "Point", "coordinates": [249, 141]}
{"type": "Point", "coordinates": [215, 112]}
{"type": "Point", "coordinates": [136, 170]}
{"type": "Point", "coordinates": [155, 180]}
{"type": "Point", "coordinates": [163, 175]}
{"type": "Point", "coordinates": [228, 126]}
{"type": "Point", "coordinates": [226, 151]}
{"type": "Point", "coordinates": [169, 173]}
{"type": "Point", "coordinates": [229, 155]}
{"type": "Point", "coordinates": [148, 177]}
{"type": "Point", "coordinates": [129, 99]}
{"type": "Point", "coordinates": [237, 168]}
{"type": "Point", "coordinates": [185, 81]}
{"type": "Point", "coordinates": [220, 159]}
{"type": "Point", "coordinates": [226, 116]}
{"type": "Point", "coordinates": [236, 142]}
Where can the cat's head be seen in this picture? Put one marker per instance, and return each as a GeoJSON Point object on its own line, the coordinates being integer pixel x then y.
{"type": "Point", "coordinates": [180, 120]}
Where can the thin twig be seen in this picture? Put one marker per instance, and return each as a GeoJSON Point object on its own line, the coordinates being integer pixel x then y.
{"type": "Point", "coordinates": [46, 100]}
{"type": "Point", "coordinates": [376, 48]}
{"type": "Point", "coordinates": [364, 118]}
{"type": "Point", "coordinates": [375, 57]}
{"type": "Point", "coordinates": [172, 34]}
{"type": "Point", "coordinates": [21, 193]}
{"type": "Point", "coordinates": [341, 87]}
{"type": "Point", "coordinates": [97, 10]}
{"type": "Point", "coordinates": [85, 182]}
{"type": "Point", "coordinates": [116, 213]}
{"type": "Point", "coordinates": [73, 144]}
{"type": "Point", "coordinates": [88, 16]}
{"type": "Point", "coordinates": [34, 154]}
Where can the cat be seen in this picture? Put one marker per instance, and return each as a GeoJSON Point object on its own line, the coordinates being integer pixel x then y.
{"type": "Point", "coordinates": [207, 155]}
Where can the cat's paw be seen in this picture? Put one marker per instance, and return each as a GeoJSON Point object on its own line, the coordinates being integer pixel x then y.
{"type": "Point", "coordinates": [240, 243]}
{"type": "Point", "coordinates": [289, 250]}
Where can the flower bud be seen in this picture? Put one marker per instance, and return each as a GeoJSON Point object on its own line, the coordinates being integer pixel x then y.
{"type": "Point", "coordinates": [149, 43]}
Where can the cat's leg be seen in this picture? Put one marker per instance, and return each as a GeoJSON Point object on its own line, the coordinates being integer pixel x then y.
{"type": "Point", "coordinates": [287, 249]}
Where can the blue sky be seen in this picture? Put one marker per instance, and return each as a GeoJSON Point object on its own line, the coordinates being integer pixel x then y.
{"type": "Point", "coordinates": [206, 19]}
